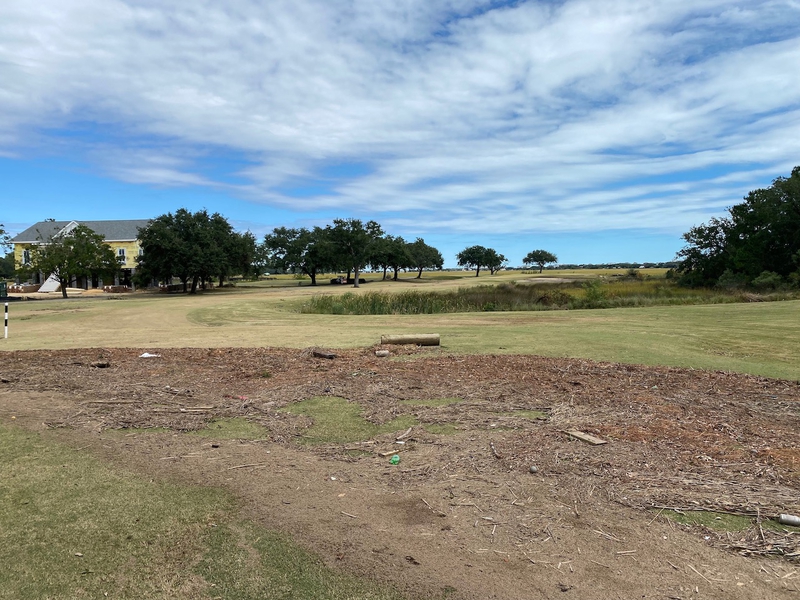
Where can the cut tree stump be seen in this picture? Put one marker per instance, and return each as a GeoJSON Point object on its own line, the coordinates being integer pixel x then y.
{"type": "Point", "coordinates": [420, 339]}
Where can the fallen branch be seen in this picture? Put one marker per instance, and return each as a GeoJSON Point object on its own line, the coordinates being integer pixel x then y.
{"type": "Point", "coordinates": [679, 509]}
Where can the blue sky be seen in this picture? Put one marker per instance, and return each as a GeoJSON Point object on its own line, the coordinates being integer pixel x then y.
{"type": "Point", "coordinates": [600, 131]}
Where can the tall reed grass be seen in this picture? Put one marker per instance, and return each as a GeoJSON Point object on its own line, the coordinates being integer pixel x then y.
{"type": "Point", "coordinates": [526, 297]}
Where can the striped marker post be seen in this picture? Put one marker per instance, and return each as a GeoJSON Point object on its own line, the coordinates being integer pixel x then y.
{"type": "Point", "coordinates": [6, 331]}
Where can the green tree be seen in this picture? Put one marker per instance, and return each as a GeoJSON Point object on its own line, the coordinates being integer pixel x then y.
{"type": "Point", "coordinates": [474, 256]}
{"type": "Point", "coordinates": [706, 257]}
{"type": "Point", "coordinates": [5, 239]}
{"type": "Point", "coordinates": [7, 266]}
{"type": "Point", "coordinates": [540, 258]}
{"type": "Point", "coordinates": [425, 256]}
{"type": "Point", "coordinates": [194, 247]}
{"type": "Point", "coordinates": [70, 254]}
{"type": "Point", "coordinates": [162, 251]}
{"type": "Point", "coordinates": [391, 252]}
{"type": "Point", "coordinates": [760, 234]}
{"type": "Point", "coordinates": [494, 261]}
{"type": "Point", "coordinates": [354, 242]}
{"type": "Point", "coordinates": [298, 250]}
{"type": "Point", "coordinates": [7, 261]}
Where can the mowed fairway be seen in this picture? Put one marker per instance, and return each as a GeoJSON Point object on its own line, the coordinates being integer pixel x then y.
{"type": "Point", "coordinates": [756, 338]}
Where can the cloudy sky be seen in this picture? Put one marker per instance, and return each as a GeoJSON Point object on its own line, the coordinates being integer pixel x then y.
{"type": "Point", "coordinates": [597, 129]}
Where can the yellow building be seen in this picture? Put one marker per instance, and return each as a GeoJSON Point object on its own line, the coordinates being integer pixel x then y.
{"type": "Point", "coordinates": [122, 236]}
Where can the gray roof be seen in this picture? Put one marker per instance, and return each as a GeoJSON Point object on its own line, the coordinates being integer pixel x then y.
{"type": "Point", "coordinates": [112, 231]}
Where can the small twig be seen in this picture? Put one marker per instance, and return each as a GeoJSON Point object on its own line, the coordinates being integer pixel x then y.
{"type": "Point", "coordinates": [608, 536]}
{"type": "Point", "coordinates": [349, 515]}
{"type": "Point", "coordinates": [654, 518]}
{"type": "Point", "coordinates": [538, 562]}
{"type": "Point", "coordinates": [599, 563]}
{"type": "Point", "coordinates": [699, 573]}
{"type": "Point", "coordinates": [247, 465]}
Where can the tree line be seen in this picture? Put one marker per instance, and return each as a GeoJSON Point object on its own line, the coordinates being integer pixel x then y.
{"type": "Point", "coordinates": [347, 245]}
{"type": "Point", "coordinates": [199, 248]}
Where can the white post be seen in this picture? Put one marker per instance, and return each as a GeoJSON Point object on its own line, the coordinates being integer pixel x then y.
{"type": "Point", "coordinates": [6, 329]}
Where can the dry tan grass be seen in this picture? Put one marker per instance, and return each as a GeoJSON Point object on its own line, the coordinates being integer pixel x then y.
{"type": "Point", "coordinates": [758, 338]}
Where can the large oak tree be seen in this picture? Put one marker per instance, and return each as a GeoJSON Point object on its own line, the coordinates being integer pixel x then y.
{"type": "Point", "coordinates": [354, 242]}
{"type": "Point", "coordinates": [539, 258]}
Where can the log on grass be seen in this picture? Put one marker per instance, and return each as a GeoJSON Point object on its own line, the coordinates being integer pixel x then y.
{"type": "Point", "coordinates": [420, 339]}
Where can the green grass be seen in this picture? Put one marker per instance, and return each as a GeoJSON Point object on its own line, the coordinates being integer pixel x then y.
{"type": "Point", "coordinates": [134, 536]}
{"type": "Point", "coordinates": [71, 527]}
{"type": "Point", "coordinates": [236, 428]}
{"type": "Point", "coordinates": [712, 520]}
{"type": "Point", "coordinates": [337, 421]}
{"type": "Point", "coordinates": [723, 521]}
{"type": "Point", "coordinates": [249, 563]}
{"type": "Point", "coordinates": [440, 428]}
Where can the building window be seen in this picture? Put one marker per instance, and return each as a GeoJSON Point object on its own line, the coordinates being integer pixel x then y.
{"type": "Point", "coordinates": [121, 255]}
{"type": "Point", "coordinates": [26, 257]}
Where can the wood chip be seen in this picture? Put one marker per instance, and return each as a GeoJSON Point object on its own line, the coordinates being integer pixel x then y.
{"type": "Point", "coordinates": [586, 437]}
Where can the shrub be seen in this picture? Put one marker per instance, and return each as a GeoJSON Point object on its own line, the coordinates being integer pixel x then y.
{"type": "Point", "coordinates": [768, 280]}
{"type": "Point", "coordinates": [594, 295]}
{"type": "Point", "coordinates": [732, 281]}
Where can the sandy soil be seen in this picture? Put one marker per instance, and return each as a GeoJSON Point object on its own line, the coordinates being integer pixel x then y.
{"type": "Point", "coordinates": [461, 516]}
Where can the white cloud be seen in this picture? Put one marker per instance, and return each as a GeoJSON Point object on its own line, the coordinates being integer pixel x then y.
{"type": "Point", "coordinates": [546, 116]}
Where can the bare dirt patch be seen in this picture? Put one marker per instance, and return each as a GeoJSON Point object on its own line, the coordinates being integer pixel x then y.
{"type": "Point", "coordinates": [461, 516]}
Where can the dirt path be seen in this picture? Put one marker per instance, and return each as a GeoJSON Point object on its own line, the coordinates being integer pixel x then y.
{"type": "Point", "coordinates": [461, 516]}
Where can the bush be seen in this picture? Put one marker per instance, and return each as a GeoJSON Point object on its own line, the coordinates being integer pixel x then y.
{"type": "Point", "coordinates": [732, 281]}
{"type": "Point", "coordinates": [768, 280]}
{"type": "Point", "coordinates": [634, 274]}
{"type": "Point", "coordinates": [594, 295]}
